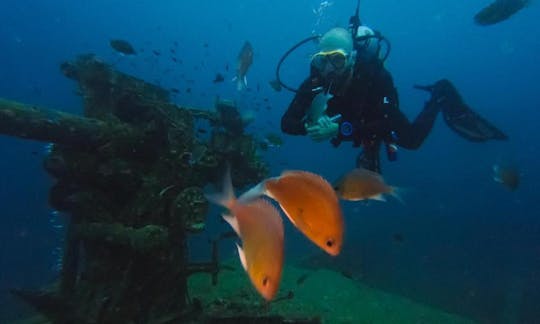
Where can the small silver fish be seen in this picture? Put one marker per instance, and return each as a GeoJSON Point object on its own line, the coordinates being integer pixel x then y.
{"type": "Point", "coordinates": [318, 107]}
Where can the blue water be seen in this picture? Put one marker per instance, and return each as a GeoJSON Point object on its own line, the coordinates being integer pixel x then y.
{"type": "Point", "coordinates": [469, 245]}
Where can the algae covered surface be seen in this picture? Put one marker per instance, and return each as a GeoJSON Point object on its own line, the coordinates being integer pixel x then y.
{"type": "Point", "coordinates": [323, 295]}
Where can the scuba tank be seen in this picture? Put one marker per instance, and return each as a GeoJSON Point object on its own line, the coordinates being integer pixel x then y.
{"type": "Point", "coordinates": [368, 43]}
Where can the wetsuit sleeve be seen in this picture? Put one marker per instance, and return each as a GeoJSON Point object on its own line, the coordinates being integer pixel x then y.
{"type": "Point", "coordinates": [292, 121]}
{"type": "Point", "coordinates": [392, 120]}
{"type": "Point", "coordinates": [412, 135]}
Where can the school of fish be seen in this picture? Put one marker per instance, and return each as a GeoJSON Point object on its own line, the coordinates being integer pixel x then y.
{"type": "Point", "coordinates": [310, 203]}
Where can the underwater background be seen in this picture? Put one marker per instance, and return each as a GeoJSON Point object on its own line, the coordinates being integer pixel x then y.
{"type": "Point", "coordinates": [461, 242]}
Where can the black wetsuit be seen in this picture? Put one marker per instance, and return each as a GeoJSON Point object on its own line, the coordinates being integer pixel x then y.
{"type": "Point", "coordinates": [370, 105]}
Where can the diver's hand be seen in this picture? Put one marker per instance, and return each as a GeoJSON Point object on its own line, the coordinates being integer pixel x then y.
{"type": "Point", "coordinates": [441, 91]}
{"type": "Point", "coordinates": [323, 130]}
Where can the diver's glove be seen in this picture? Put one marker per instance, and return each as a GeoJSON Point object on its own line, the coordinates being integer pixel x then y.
{"type": "Point", "coordinates": [323, 130]}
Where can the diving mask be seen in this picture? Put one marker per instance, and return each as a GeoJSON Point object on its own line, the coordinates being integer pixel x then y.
{"type": "Point", "coordinates": [336, 58]}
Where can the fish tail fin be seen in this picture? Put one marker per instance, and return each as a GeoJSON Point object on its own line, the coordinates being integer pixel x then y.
{"type": "Point", "coordinates": [254, 193]}
{"type": "Point", "coordinates": [241, 82]}
{"type": "Point", "coordinates": [226, 198]}
{"type": "Point", "coordinates": [398, 193]}
{"type": "Point", "coordinates": [497, 173]}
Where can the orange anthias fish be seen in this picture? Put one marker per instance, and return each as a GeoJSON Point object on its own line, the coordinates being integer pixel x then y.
{"type": "Point", "coordinates": [361, 184]}
{"type": "Point", "coordinates": [259, 226]}
{"type": "Point", "coordinates": [507, 175]}
{"type": "Point", "coordinates": [244, 61]}
{"type": "Point", "coordinates": [310, 203]}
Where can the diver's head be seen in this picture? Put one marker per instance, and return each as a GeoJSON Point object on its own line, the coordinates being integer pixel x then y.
{"type": "Point", "coordinates": [335, 57]}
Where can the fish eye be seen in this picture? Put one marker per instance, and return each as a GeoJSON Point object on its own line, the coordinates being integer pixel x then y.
{"type": "Point", "coordinates": [330, 242]}
{"type": "Point", "coordinates": [265, 281]}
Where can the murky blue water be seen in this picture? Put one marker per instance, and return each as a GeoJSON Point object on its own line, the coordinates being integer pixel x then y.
{"type": "Point", "coordinates": [466, 244]}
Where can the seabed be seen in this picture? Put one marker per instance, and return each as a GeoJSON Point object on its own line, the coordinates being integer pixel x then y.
{"type": "Point", "coordinates": [321, 296]}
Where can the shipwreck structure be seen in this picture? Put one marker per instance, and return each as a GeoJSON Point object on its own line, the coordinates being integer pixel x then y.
{"type": "Point", "coordinates": [130, 174]}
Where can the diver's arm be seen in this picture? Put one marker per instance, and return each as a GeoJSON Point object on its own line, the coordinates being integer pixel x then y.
{"type": "Point", "coordinates": [391, 119]}
{"type": "Point", "coordinates": [412, 135]}
{"type": "Point", "coordinates": [409, 135]}
{"type": "Point", "coordinates": [292, 121]}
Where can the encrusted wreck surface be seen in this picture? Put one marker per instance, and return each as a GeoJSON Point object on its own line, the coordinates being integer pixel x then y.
{"type": "Point", "coordinates": [326, 296]}
{"type": "Point", "coordinates": [130, 174]}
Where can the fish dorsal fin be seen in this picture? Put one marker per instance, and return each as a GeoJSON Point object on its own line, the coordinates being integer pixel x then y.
{"type": "Point", "coordinates": [370, 173]}
{"type": "Point", "coordinates": [397, 193]}
{"type": "Point", "coordinates": [289, 172]}
{"type": "Point", "coordinates": [233, 222]}
{"type": "Point", "coordinates": [308, 174]}
{"type": "Point", "coordinates": [242, 256]}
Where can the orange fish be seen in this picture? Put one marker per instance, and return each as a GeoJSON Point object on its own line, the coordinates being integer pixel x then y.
{"type": "Point", "coordinates": [259, 226]}
{"type": "Point", "coordinates": [507, 175]}
{"type": "Point", "coordinates": [310, 203]}
{"type": "Point", "coordinates": [361, 184]}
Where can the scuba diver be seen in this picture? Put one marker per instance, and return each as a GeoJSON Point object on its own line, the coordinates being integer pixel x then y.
{"type": "Point", "coordinates": [350, 96]}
